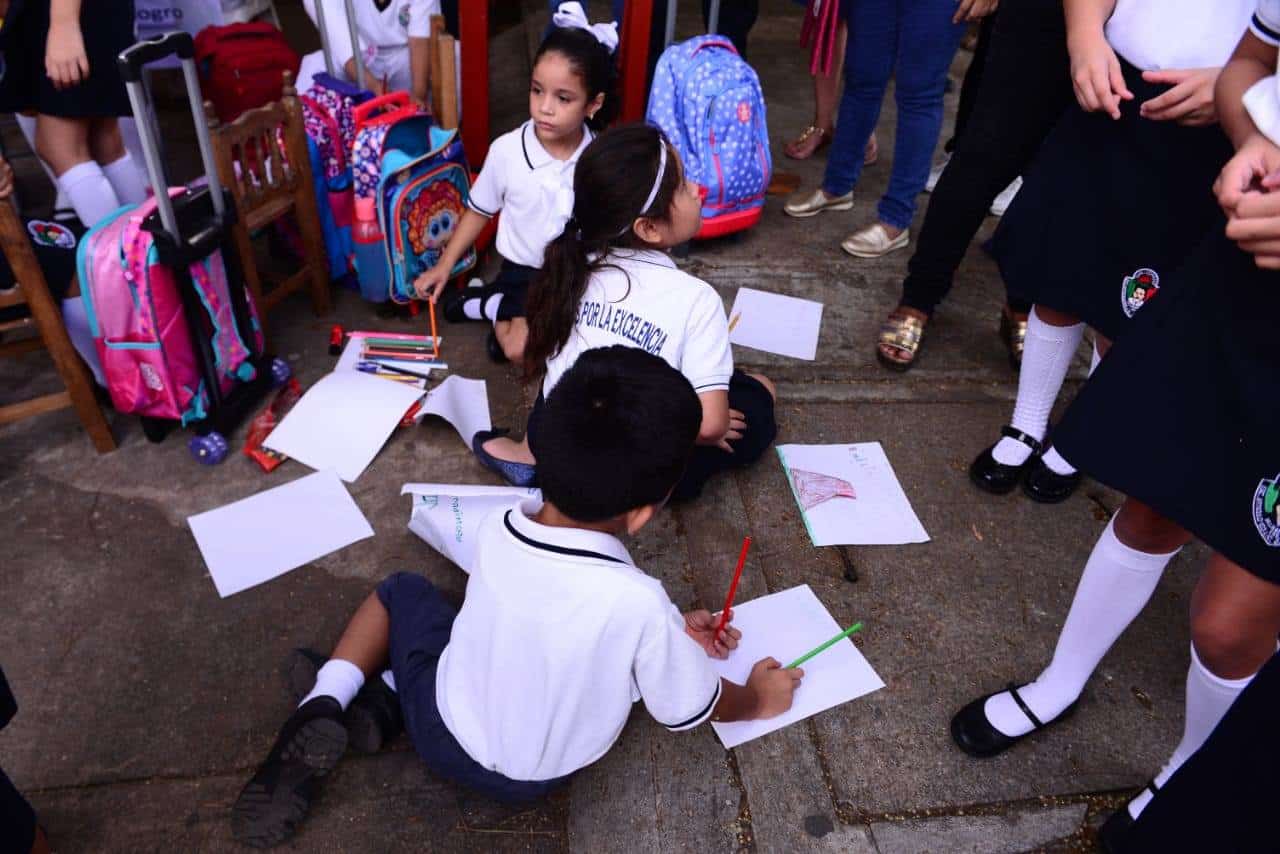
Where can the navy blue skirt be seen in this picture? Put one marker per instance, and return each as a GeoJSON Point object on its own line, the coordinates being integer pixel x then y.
{"type": "Point", "coordinates": [1183, 414]}
{"type": "Point", "coordinates": [1108, 210]}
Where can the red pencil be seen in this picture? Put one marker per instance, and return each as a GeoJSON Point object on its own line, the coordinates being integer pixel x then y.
{"type": "Point", "coordinates": [733, 588]}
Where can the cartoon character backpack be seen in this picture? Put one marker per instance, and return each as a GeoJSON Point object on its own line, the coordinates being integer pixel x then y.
{"type": "Point", "coordinates": [422, 193]}
{"type": "Point", "coordinates": [139, 330]}
{"type": "Point", "coordinates": [708, 102]}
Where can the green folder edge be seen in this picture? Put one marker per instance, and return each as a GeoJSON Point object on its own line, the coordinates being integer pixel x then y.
{"type": "Point", "coordinates": [786, 471]}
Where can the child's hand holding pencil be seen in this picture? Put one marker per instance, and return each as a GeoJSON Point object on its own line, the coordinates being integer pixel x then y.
{"type": "Point", "coordinates": [704, 628]}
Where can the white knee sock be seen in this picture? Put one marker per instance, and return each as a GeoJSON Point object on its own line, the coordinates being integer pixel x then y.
{"type": "Point", "coordinates": [1208, 698]}
{"type": "Point", "coordinates": [491, 304]}
{"type": "Point", "coordinates": [1116, 584]}
{"type": "Point", "coordinates": [126, 180]}
{"type": "Point", "coordinates": [27, 124]}
{"type": "Point", "coordinates": [90, 192]}
{"type": "Point", "coordinates": [1045, 360]}
{"type": "Point", "coordinates": [338, 679]}
{"type": "Point", "coordinates": [389, 679]}
{"type": "Point", "coordinates": [133, 145]}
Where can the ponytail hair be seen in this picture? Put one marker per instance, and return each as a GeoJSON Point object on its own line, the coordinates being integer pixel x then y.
{"type": "Point", "coordinates": [594, 65]}
{"type": "Point", "coordinates": [616, 175]}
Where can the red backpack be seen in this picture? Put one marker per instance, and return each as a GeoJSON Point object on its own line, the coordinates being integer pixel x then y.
{"type": "Point", "coordinates": [241, 65]}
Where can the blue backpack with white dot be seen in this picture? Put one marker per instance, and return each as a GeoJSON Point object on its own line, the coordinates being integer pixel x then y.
{"type": "Point", "coordinates": [708, 102]}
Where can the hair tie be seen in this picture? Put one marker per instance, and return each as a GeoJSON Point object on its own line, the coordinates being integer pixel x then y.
{"type": "Point", "coordinates": [570, 16]}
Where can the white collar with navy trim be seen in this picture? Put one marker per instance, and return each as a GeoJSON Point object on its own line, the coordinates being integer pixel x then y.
{"type": "Point", "coordinates": [535, 156]}
{"type": "Point", "coordinates": [564, 543]}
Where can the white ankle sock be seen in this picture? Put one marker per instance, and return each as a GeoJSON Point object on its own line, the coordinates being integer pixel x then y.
{"type": "Point", "coordinates": [1045, 360]}
{"type": "Point", "coordinates": [389, 679]}
{"type": "Point", "coordinates": [126, 180]}
{"type": "Point", "coordinates": [491, 306]}
{"type": "Point", "coordinates": [338, 679]}
{"type": "Point", "coordinates": [1116, 584]}
{"type": "Point", "coordinates": [1208, 698]}
{"type": "Point", "coordinates": [90, 192]}
{"type": "Point", "coordinates": [473, 307]}
{"type": "Point", "coordinates": [1096, 358]}
{"type": "Point", "coordinates": [1056, 463]}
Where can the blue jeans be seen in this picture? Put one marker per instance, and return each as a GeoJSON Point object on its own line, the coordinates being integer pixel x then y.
{"type": "Point", "coordinates": [912, 41]}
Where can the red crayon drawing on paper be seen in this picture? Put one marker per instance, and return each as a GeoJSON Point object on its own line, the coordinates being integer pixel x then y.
{"type": "Point", "coordinates": [813, 488]}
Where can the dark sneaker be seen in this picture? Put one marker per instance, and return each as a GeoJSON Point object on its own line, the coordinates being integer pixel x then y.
{"type": "Point", "coordinates": [273, 804]}
{"type": "Point", "coordinates": [373, 719]}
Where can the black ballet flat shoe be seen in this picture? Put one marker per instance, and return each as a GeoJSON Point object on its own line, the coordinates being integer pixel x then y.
{"type": "Point", "coordinates": [998, 478]}
{"type": "Point", "coordinates": [454, 304]}
{"type": "Point", "coordinates": [494, 349]}
{"type": "Point", "coordinates": [1113, 836]}
{"type": "Point", "coordinates": [974, 734]}
{"type": "Point", "coordinates": [1046, 486]}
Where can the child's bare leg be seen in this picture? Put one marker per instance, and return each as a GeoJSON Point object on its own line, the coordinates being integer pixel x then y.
{"type": "Point", "coordinates": [512, 335]}
{"type": "Point", "coordinates": [365, 639]}
{"type": "Point", "coordinates": [511, 450]}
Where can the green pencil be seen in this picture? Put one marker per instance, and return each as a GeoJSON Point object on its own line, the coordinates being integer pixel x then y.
{"type": "Point", "coordinates": [811, 653]}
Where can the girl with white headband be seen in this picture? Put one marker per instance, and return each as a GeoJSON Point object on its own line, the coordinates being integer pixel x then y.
{"type": "Point", "coordinates": [607, 280]}
{"type": "Point", "coordinates": [528, 176]}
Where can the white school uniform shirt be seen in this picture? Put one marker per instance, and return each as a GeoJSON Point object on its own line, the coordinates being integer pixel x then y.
{"type": "Point", "coordinates": [1166, 34]}
{"type": "Point", "coordinates": [1263, 98]}
{"type": "Point", "coordinates": [532, 189]}
{"type": "Point", "coordinates": [384, 38]}
{"type": "Point", "coordinates": [558, 636]}
{"type": "Point", "coordinates": [640, 299]}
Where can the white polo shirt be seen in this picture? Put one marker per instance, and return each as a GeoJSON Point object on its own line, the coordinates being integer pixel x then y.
{"type": "Point", "coordinates": [532, 189]}
{"type": "Point", "coordinates": [1263, 98]}
{"type": "Point", "coordinates": [558, 636]}
{"type": "Point", "coordinates": [640, 299]}
{"type": "Point", "coordinates": [1165, 34]}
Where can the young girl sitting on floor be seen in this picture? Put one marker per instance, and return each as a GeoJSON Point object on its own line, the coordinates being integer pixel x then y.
{"type": "Point", "coordinates": [607, 281]}
{"type": "Point", "coordinates": [529, 175]}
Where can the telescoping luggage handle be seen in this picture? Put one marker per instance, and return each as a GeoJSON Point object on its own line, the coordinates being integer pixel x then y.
{"type": "Point", "coordinates": [327, 49]}
{"type": "Point", "coordinates": [131, 62]}
{"type": "Point", "coordinates": [713, 21]}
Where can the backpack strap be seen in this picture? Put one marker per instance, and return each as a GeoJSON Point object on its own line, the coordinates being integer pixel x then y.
{"type": "Point", "coordinates": [230, 355]}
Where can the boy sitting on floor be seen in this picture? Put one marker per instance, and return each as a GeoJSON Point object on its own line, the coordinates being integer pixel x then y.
{"type": "Point", "coordinates": [558, 635]}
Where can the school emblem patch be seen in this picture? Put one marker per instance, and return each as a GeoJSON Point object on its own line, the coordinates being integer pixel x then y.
{"type": "Point", "coordinates": [1138, 289]}
{"type": "Point", "coordinates": [404, 16]}
{"type": "Point", "coordinates": [1266, 510]}
{"type": "Point", "coordinates": [51, 234]}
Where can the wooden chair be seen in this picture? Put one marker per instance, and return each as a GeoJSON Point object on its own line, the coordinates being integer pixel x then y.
{"type": "Point", "coordinates": [444, 71]}
{"type": "Point", "coordinates": [46, 320]}
{"type": "Point", "coordinates": [268, 181]}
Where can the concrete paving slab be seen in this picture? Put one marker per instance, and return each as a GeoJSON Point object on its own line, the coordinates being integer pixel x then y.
{"type": "Point", "coordinates": [1017, 830]}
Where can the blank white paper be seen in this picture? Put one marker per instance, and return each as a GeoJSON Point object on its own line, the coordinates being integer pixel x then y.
{"type": "Point", "coordinates": [342, 422]}
{"type": "Point", "coordinates": [775, 323]}
{"type": "Point", "coordinates": [849, 495]}
{"type": "Point", "coordinates": [463, 403]}
{"type": "Point", "coordinates": [785, 626]}
{"type": "Point", "coordinates": [266, 535]}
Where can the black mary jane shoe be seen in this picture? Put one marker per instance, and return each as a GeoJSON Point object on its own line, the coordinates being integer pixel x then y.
{"type": "Point", "coordinates": [1114, 834]}
{"type": "Point", "coordinates": [1046, 486]}
{"type": "Point", "coordinates": [998, 478]}
{"type": "Point", "coordinates": [974, 734]}
{"type": "Point", "coordinates": [494, 349]}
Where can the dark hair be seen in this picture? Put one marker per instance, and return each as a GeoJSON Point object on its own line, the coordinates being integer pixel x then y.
{"type": "Point", "coordinates": [611, 182]}
{"type": "Point", "coordinates": [615, 433]}
{"type": "Point", "coordinates": [593, 64]}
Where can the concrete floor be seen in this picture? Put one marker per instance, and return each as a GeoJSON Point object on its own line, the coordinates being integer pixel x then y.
{"type": "Point", "coordinates": [145, 700]}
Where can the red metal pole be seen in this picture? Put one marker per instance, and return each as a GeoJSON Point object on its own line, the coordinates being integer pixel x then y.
{"type": "Point", "coordinates": [474, 26]}
{"type": "Point", "coordinates": [635, 57]}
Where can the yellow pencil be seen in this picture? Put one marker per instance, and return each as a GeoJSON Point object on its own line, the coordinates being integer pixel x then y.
{"type": "Point", "coordinates": [733, 321]}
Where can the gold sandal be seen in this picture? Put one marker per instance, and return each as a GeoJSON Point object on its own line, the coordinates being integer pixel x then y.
{"type": "Point", "coordinates": [824, 139]}
{"type": "Point", "coordinates": [1014, 335]}
{"type": "Point", "coordinates": [903, 332]}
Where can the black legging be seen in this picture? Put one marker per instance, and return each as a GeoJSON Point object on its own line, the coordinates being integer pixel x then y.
{"type": "Point", "coordinates": [1025, 86]}
{"type": "Point", "coordinates": [972, 81]}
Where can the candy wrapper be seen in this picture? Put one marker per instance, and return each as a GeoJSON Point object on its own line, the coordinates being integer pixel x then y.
{"type": "Point", "coordinates": [266, 421]}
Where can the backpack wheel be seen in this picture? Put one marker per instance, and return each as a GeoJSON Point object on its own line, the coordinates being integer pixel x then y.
{"type": "Point", "coordinates": [209, 449]}
{"type": "Point", "coordinates": [280, 372]}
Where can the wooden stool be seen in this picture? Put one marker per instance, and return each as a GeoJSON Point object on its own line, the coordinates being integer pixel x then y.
{"type": "Point", "coordinates": [32, 290]}
{"type": "Point", "coordinates": [267, 182]}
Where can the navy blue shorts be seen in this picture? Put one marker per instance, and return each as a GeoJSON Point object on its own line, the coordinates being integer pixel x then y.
{"type": "Point", "coordinates": [421, 621]}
